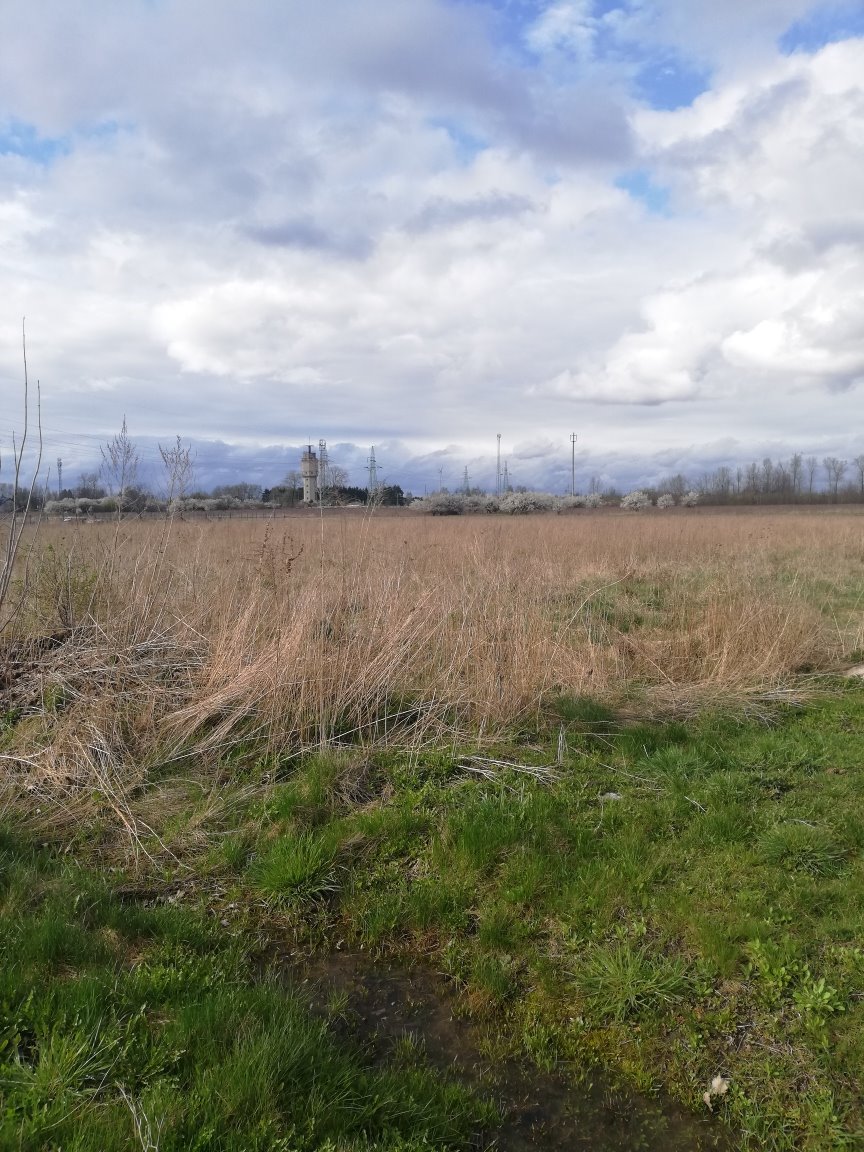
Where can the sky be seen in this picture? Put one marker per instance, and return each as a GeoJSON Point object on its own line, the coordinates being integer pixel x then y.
{"type": "Point", "coordinates": [418, 224]}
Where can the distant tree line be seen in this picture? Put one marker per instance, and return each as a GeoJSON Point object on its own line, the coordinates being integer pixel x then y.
{"type": "Point", "coordinates": [800, 479]}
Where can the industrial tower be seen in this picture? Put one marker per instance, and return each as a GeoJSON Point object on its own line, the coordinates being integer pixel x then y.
{"type": "Point", "coordinates": [309, 472]}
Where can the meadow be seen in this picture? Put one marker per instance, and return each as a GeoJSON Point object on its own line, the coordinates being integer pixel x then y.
{"type": "Point", "coordinates": [602, 770]}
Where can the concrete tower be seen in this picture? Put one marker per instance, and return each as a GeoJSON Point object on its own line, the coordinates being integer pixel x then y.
{"type": "Point", "coordinates": [309, 472]}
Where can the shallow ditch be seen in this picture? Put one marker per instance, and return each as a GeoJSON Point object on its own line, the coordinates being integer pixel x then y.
{"type": "Point", "coordinates": [382, 1005]}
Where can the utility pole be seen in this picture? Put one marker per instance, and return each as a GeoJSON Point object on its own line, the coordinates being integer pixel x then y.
{"type": "Point", "coordinates": [573, 439]}
{"type": "Point", "coordinates": [322, 466]}
{"type": "Point", "coordinates": [441, 478]}
{"type": "Point", "coordinates": [373, 475]}
{"type": "Point", "coordinates": [498, 469]}
{"type": "Point", "coordinates": [506, 481]}
{"type": "Point", "coordinates": [59, 478]}
{"type": "Point", "coordinates": [466, 483]}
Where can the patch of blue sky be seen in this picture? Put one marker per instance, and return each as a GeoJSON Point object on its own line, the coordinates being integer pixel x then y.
{"type": "Point", "coordinates": [103, 130]}
{"type": "Point", "coordinates": [466, 144]}
{"type": "Point", "coordinates": [825, 24]}
{"type": "Point", "coordinates": [20, 139]}
{"type": "Point", "coordinates": [670, 82]}
{"type": "Point", "coordinates": [638, 184]}
{"type": "Point", "coordinates": [511, 23]}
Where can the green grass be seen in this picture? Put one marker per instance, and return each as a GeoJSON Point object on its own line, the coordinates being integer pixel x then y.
{"type": "Point", "coordinates": [682, 900]}
{"type": "Point", "coordinates": [701, 882]}
{"type": "Point", "coordinates": [621, 980]}
{"type": "Point", "coordinates": [125, 1026]}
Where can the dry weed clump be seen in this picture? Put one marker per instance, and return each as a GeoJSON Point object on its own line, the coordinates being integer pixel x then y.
{"type": "Point", "coordinates": [175, 640]}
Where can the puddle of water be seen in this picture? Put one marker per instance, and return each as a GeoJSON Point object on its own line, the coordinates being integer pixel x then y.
{"type": "Point", "coordinates": [541, 1110]}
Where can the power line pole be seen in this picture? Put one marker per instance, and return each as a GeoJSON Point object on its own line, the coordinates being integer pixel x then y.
{"type": "Point", "coordinates": [498, 469]}
{"type": "Point", "coordinates": [466, 483]}
{"type": "Point", "coordinates": [441, 478]}
{"type": "Point", "coordinates": [322, 465]}
{"type": "Point", "coordinates": [59, 477]}
{"type": "Point", "coordinates": [573, 439]}
{"type": "Point", "coordinates": [506, 481]}
{"type": "Point", "coordinates": [373, 474]}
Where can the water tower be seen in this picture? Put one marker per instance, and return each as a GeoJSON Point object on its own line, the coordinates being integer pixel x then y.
{"type": "Point", "coordinates": [309, 472]}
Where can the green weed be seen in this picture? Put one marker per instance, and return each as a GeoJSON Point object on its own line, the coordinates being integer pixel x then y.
{"type": "Point", "coordinates": [801, 847]}
{"type": "Point", "coordinates": [297, 868]}
{"type": "Point", "coordinates": [622, 979]}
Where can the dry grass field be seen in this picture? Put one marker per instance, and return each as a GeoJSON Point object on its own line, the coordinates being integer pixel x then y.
{"type": "Point", "coordinates": [409, 629]}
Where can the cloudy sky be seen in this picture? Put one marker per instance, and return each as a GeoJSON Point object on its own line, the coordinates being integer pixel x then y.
{"type": "Point", "coordinates": [420, 223]}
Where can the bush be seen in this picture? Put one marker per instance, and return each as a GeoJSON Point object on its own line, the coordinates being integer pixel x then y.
{"type": "Point", "coordinates": [522, 503]}
{"type": "Point", "coordinates": [455, 504]}
{"type": "Point", "coordinates": [691, 499]}
{"type": "Point", "coordinates": [665, 501]}
{"type": "Point", "coordinates": [442, 504]}
{"type": "Point", "coordinates": [56, 507]}
{"type": "Point", "coordinates": [636, 501]}
{"type": "Point", "coordinates": [568, 502]}
{"type": "Point", "coordinates": [593, 500]}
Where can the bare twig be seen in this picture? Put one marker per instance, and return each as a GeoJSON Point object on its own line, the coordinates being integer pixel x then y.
{"type": "Point", "coordinates": [20, 515]}
{"type": "Point", "coordinates": [487, 766]}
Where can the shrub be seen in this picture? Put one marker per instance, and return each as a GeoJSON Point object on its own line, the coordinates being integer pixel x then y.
{"type": "Point", "coordinates": [522, 503]}
{"type": "Point", "coordinates": [442, 504]}
{"type": "Point", "coordinates": [665, 501]}
{"type": "Point", "coordinates": [456, 503]}
{"type": "Point", "coordinates": [56, 507]}
{"type": "Point", "coordinates": [568, 502]}
{"type": "Point", "coordinates": [691, 499]}
{"type": "Point", "coordinates": [636, 501]}
{"type": "Point", "coordinates": [593, 500]}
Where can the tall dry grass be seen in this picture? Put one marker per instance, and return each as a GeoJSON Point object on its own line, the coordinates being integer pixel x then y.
{"type": "Point", "coordinates": [168, 640]}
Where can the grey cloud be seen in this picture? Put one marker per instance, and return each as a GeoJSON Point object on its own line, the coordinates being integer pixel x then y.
{"type": "Point", "coordinates": [306, 235]}
{"type": "Point", "coordinates": [444, 213]}
{"type": "Point", "coordinates": [534, 450]}
{"type": "Point", "coordinates": [845, 381]}
{"type": "Point", "coordinates": [836, 232]}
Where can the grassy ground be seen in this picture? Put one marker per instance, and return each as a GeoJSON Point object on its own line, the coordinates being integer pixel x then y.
{"type": "Point", "coordinates": [612, 790]}
{"type": "Point", "coordinates": [676, 901]}
{"type": "Point", "coordinates": [125, 1026]}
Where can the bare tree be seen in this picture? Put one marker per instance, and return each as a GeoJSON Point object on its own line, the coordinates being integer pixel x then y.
{"type": "Point", "coordinates": [859, 467]}
{"type": "Point", "coordinates": [767, 475]}
{"type": "Point", "coordinates": [836, 470]}
{"type": "Point", "coordinates": [120, 465]}
{"type": "Point", "coordinates": [676, 486]}
{"type": "Point", "coordinates": [179, 467]}
{"type": "Point", "coordinates": [293, 480]}
{"type": "Point", "coordinates": [721, 482]}
{"type": "Point", "coordinates": [21, 496]}
{"type": "Point", "coordinates": [796, 464]}
{"type": "Point", "coordinates": [338, 476]}
{"type": "Point", "coordinates": [88, 486]}
{"type": "Point", "coordinates": [782, 481]}
{"type": "Point", "coordinates": [811, 464]}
